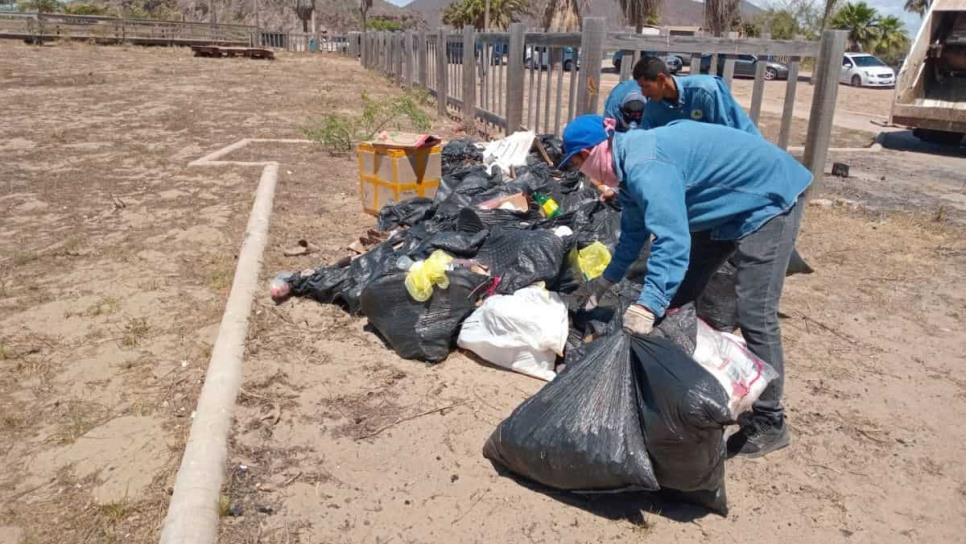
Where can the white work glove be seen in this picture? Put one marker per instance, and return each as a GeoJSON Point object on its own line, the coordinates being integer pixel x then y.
{"type": "Point", "coordinates": [590, 293]}
{"type": "Point", "coordinates": [638, 320]}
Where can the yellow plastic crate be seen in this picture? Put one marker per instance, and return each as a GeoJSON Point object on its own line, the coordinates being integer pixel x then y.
{"type": "Point", "coordinates": [390, 175]}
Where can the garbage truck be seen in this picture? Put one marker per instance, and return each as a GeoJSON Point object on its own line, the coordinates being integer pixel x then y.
{"type": "Point", "coordinates": [930, 92]}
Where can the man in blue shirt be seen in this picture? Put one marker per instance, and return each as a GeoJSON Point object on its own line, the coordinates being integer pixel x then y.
{"type": "Point", "coordinates": [704, 192]}
{"type": "Point", "coordinates": [697, 97]}
{"type": "Point", "coordinates": [617, 98]}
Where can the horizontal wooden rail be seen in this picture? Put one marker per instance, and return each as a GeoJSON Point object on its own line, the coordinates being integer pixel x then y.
{"type": "Point", "coordinates": [708, 45]}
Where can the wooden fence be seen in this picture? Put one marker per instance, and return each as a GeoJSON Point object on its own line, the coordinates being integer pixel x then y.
{"type": "Point", "coordinates": [507, 81]}
{"type": "Point", "coordinates": [41, 27]}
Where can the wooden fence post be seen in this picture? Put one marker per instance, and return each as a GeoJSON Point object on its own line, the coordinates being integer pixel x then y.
{"type": "Point", "coordinates": [758, 91]}
{"type": "Point", "coordinates": [591, 55]}
{"type": "Point", "coordinates": [423, 65]}
{"type": "Point", "coordinates": [409, 52]}
{"type": "Point", "coordinates": [823, 101]}
{"type": "Point", "coordinates": [788, 109]}
{"type": "Point", "coordinates": [442, 65]}
{"type": "Point", "coordinates": [514, 83]}
{"type": "Point", "coordinates": [469, 76]}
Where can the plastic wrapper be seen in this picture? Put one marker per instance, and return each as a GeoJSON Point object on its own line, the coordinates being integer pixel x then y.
{"type": "Point", "coordinates": [422, 276]}
{"type": "Point", "coordinates": [740, 372]}
{"type": "Point", "coordinates": [582, 431]}
{"type": "Point", "coordinates": [421, 330]}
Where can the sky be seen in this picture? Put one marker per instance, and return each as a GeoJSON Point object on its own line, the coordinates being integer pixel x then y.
{"type": "Point", "coordinates": [887, 7]}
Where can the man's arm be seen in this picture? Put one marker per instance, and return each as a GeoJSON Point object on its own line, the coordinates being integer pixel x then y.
{"type": "Point", "coordinates": [633, 236]}
{"type": "Point", "coordinates": [658, 189]}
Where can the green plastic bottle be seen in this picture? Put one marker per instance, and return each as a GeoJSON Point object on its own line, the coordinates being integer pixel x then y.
{"type": "Point", "coordinates": [547, 204]}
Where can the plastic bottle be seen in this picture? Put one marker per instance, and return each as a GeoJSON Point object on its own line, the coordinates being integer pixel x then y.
{"type": "Point", "coordinates": [547, 204]}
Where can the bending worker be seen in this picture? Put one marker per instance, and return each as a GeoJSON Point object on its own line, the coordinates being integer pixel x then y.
{"type": "Point", "coordinates": [670, 98]}
{"type": "Point", "coordinates": [704, 192]}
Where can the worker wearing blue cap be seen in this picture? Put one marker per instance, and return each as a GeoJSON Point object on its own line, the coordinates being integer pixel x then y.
{"type": "Point", "coordinates": [704, 192]}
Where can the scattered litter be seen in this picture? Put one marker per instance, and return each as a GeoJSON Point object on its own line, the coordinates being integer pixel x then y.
{"type": "Point", "coordinates": [303, 247]}
{"type": "Point", "coordinates": [525, 331]}
{"type": "Point", "coordinates": [840, 169]}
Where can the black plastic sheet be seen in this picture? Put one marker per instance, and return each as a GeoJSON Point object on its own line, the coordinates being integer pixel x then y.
{"type": "Point", "coordinates": [522, 257]}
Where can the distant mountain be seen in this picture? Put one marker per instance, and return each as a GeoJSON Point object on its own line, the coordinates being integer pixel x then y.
{"type": "Point", "coordinates": [675, 13]}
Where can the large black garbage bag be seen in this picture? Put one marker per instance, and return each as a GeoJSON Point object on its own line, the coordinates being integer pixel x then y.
{"type": "Point", "coordinates": [582, 431]}
{"type": "Point", "coordinates": [459, 153]}
{"type": "Point", "coordinates": [345, 284]}
{"type": "Point", "coordinates": [718, 303]}
{"type": "Point", "coordinates": [463, 188]}
{"type": "Point", "coordinates": [522, 257]}
{"type": "Point", "coordinates": [459, 244]}
{"type": "Point", "coordinates": [684, 410]}
{"type": "Point", "coordinates": [406, 214]}
{"type": "Point", "coordinates": [420, 330]}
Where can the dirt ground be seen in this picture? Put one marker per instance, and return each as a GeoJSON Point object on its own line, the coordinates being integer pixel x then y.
{"type": "Point", "coordinates": [116, 257]}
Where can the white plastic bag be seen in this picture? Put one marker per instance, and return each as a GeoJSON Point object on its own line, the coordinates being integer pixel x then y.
{"type": "Point", "coordinates": [524, 331]}
{"type": "Point", "coordinates": [742, 374]}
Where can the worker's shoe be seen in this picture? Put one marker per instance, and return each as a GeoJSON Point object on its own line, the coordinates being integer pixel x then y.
{"type": "Point", "coordinates": [758, 437]}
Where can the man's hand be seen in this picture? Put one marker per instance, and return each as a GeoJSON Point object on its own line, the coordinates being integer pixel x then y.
{"type": "Point", "coordinates": [638, 320]}
{"type": "Point", "coordinates": [607, 194]}
{"type": "Point", "coordinates": [589, 294]}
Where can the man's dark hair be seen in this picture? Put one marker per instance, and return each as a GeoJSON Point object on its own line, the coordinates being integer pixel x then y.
{"type": "Point", "coordinates": [648, 68]}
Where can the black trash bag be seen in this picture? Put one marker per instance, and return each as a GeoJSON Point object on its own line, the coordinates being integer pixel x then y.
{"type": "Point", "coordinates": [553, 146]}
{"type": "Point", "coordinates": [680, 326]}
{"type": "Point", "coordinates": [406, 214]}
{"type": "Point", "coordinates": [459, 244]}
{"type": "Point", "coordinates": [344, 285]}
{"type": "Point", "coordinates": [582, 431]}
{"type": "Point", "coordinates": [797, 265]}
{"type": "Point", "coordinates": [421, 330]}
{"type": "Point", "coordinates": [718, 303]}
{"type": "Point", "coordinates": [463, 188]}
{"type": "Point", "coordinates": [522, 257]}
{"type": "Point", "coordinates": [684, 410]}
{"type": "Point", "coordinates": [459, 153]}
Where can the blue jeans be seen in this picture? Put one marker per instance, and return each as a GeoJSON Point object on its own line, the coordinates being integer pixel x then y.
{"type": "Point", "coordinates": [761, 259]}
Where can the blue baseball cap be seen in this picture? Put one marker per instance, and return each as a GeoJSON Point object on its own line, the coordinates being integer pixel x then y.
{"type": "Point", "coordinates": [584, 132]}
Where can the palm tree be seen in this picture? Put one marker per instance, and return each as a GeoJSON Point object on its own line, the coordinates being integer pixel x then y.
{"type": "Point", "coordinates": [721, 15]}
{"type": "Point", "coordinates": [891, 36]}
{"type": "Point", "coordinates": [917, 6]}
{"type": "Point", "coordinates": [559, 15]}
{"type": "Point", "coordinates": [639, 12]}
{"type": "Point", "coordinates": [860, 19]}
{"type": "Point", "coordinates": [474, 12]}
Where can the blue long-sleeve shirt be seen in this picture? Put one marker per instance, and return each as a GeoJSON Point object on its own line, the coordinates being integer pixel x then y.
{"type": "Point", "coordinates": [691, 177]}
{"type": "Point", "coordinates": [700, 98]}
{"type": "Point", "coordinates": [612, 107]}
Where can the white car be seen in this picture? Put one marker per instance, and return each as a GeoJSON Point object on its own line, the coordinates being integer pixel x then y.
{"type": "Point", "coordinates": [865, 70]}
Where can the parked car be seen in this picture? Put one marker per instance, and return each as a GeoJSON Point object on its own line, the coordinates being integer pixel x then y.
{"type": "Point", "coordinates": [745, 66]}
{"type": "Point", "coordinates": [543, 59]}
{"type": "Point", "coordinates": [674, 63]}
{"type": "Point", "coordinates": [865, 70]}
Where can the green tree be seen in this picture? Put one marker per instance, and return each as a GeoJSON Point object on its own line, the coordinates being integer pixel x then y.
{"type": "Point", "coordinates": [473, 12]}
{"type": "Point", "coordinates": [861, 20]}
{"type": "Point", "coordinates": [891, 38]}
{"type": "Point", "coordinates": [84, 8]}
{"type": "Point", "coordinates": [639, 12]}
{"type": "Point", "coordinates": [917, 6]}
{"type": "Point", "coordinates": [40, 6]}
{"type": "Point", "coordinates": [782, 23]}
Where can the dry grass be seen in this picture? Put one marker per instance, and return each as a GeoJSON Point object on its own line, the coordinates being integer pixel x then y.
{"type": "Point", "coordinates": [135, 330]}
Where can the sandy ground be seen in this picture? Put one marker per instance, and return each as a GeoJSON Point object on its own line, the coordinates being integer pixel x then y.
{"type": "Point", "coordinates": [115, 258]}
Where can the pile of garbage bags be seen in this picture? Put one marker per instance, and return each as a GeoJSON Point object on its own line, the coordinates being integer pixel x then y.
{"type": "Point", "coordinates": [489, 264]}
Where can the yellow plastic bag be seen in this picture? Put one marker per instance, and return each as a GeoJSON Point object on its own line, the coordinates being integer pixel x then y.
{"type": "Point", "coordinates": [591, 261]}
{"type": "Point", "coordinates": [423, 275]}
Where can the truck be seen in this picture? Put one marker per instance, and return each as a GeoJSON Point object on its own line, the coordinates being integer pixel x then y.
{"type": "Point", "coordinates": [930, 95]}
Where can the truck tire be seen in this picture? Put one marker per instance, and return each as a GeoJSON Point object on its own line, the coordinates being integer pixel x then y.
{"type": "Point", "coordinates": [941, 137]}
